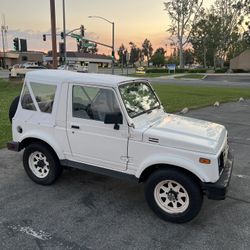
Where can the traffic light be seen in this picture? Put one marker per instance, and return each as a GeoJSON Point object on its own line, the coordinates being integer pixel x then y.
{"type": "Point", "coordinates": [82, 30]}
{"type": "Point", "coordinates": [23, 43]}
{"type": "Point", "coordinates": [16, 43]}
{"type": "Point", "coordinates": [62, 35]}
{"type": "Point", "coordinates": [113, 55]}
{"type": "Point", "coordinates": [61, 48]}
{"type": "Point", "coordinates": [44, 37]}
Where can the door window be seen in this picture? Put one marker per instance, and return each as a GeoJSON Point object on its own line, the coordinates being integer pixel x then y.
{"type": "Point", "coordinates": [93, 103]}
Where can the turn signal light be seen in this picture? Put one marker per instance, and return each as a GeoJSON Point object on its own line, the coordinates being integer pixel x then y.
{"type": "Point", "coordinates": [204, 161]}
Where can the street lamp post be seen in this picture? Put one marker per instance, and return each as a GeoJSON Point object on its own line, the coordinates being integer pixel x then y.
{"type": "Point", "coordinates": [64, 32]}
{"type": "Point", "coordinates": [113, 39]}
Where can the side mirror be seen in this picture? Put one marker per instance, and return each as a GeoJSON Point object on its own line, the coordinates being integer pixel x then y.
{"type": "Point", "coordinates": [113, 118]}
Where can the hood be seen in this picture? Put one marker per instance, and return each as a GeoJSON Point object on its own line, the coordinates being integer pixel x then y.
{"type": "Point", "coordinates": [186, 133]}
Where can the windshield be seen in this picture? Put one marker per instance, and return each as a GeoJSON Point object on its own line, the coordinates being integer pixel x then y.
{"type": "Point", "coordinates": [138, 98]}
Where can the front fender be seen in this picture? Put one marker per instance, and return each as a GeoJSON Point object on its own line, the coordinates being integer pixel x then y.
{"type": "Point", "coordinates": [192, 166]}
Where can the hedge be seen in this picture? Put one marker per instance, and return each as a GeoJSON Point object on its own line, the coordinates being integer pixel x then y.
{"type": "Point", "coordinates": [197, 71]}
{"type": "Point", "coordinates": [220, 70]}
{"type": "Point", "coordinates": [156, 70]}
{"type": "Point", "coordinates": [240, 71]}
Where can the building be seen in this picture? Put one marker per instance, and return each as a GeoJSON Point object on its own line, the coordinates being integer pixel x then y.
{"type": "Point", "coordinates": [82, 59]}
{"type": "Point", "coordinates": [241, 62]}
{"type": "Point", "coordinates": [10, 58]}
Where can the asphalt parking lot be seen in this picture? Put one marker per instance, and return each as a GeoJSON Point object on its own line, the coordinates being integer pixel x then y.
{"type": "Point", "coordinates": [89, 211]}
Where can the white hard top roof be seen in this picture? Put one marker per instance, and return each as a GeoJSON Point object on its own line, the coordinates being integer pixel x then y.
{"type": "Point", "coordinates": [59, 76]}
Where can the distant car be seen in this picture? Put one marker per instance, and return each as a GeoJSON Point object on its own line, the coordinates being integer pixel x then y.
{"type": "Point", "coordinates": [15, 66]}
{"type": "Point", "coordinates": [22, 70]}
{"type": "Point", "coordinates": [140, 70]}
{"type": "Point", "coordinates": [74, 67]}
{"type": "Point", "coordinates": [30, 64]}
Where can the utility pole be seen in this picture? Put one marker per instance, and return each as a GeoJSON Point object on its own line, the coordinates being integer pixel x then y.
{"type": "Point", "coordinates": [64, 32]}
{"type": "Point", "coordinates": [4, 29]}
{"type": "Point", "coordinates": [113, 48]}
{"type": "Point", "coordinates": [3, 47]}
{"type": "Point", "coordinates": [53, 32]}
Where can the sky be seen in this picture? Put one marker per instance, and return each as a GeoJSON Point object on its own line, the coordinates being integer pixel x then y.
{"type": "Point", "coordinates": [134, 21]}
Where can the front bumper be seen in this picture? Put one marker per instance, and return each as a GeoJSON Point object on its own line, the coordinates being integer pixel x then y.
{"type": "Point", "coordinates": [14, 146]}
{"type": "Point", "coordinates": [218, 190]}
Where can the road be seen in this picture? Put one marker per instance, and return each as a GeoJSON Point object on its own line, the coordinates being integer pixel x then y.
{"type": "Point", "coordinates": [210, 80]}
{"type": "Point", "coordinates": [89, 211]}
{"type": "Point", "coordinates": [224, 80]}
{"type": "Point", "coordinates": [4, 74]}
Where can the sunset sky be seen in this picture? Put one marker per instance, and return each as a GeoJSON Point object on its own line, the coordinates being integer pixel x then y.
{"type": "Point", "coordinates": [134, 21]}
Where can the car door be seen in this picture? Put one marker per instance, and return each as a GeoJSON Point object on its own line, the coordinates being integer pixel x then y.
{"type": "Point", "coordinates": [91, 141]}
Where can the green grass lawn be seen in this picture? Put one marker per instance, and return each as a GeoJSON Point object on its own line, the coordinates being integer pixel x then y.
{"type": "Point", "coordinates": [174, 98]}
{"type": "Point", "coordinates": [149, 75]}
{"type": "Point", "coordinates": [8, 90]}
{"type": "Point", "coordinates": [190, 76]}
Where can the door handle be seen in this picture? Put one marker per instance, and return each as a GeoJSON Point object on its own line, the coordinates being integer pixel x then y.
{"type": "Point", "coordinates": [75, 127]}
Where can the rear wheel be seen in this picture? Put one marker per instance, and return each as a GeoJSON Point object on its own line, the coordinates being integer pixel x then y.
{"type": "Point", "coordinates": [173, 195]}
{"type": "Point", "coordinates": [41, 165]}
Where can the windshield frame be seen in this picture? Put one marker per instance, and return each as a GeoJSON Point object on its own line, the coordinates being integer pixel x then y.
{"type": "Point", "coordinates": [150, 87]}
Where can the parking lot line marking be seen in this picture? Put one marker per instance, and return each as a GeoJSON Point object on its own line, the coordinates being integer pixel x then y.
{"type": "Point", "coordinates": [30, 231]}
{"type": "Point", "coordinates": [242, 176]}
{"type": "Point", "coordinates": [237, 199]}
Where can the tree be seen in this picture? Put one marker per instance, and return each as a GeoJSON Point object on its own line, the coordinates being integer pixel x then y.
{"type": "Point", "coordinates": [188, 56]}
{"type": "Point", "coordinates": [147, 49]}
{"type": "Point", "coordinates": [158, 57]}
{"type": "Point", "coordinates": [230, 13]}
{"type": "Point", "coordinates": [134, 53]}
{"type": "Point", "coordinates": [205, 38]}
{"type": "Point", "coordinates": [246, 11]}
{"type": "Point", "coordinates": [161, 51]}
{"type": "Point", "coordinates": [183, 15]}
{"type": "Point", "coordinates": [120, 52]}
{"type": "Point", "coordinates": [238, 45]}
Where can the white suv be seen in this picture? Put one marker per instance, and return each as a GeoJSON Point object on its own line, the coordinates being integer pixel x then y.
{"type": "Point", "coordinates": [116, 126]}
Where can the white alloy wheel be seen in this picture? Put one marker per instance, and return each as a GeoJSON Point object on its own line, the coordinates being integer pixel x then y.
{"type": "Point", "coordinates": [39, 164]}
{"type": "Point", "coordinates": [171, 196]}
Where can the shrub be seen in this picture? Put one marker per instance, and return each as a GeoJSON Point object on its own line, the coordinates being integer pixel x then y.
{"type": "Point", "coordinates": [161, 70]}
{"type": "Point", "coordinates": [197, 70]}
{"type": "Point", "coordinates": [220, 70]}
{"type": "Point", "coordinates": [180, 70]}
{"type": "Point", "coordinates": [239, 71]}
{"type": "Point", "coordinates": [156, 70]}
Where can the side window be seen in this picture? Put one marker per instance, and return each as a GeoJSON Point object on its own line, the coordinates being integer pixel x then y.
{"type": "Point", "coordinates": [45, 95]}
{"type": "Point", "coordinates": [93, 103]}
{"type": "Point", "coordinates": [26, 100]}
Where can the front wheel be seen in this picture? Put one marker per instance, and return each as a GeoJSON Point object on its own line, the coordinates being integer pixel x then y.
{"type": "Point", "coordinates": [173, 195]}
{"type": "Point", "coordinates": [41, 165]}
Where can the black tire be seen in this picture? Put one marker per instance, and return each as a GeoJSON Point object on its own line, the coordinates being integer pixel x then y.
{"type": "Point", "coordinates": [48, 165]}
{"type": "Point", "coordinates": [186, 194]}
{"type": "Point", "coordinates": [13, 108]}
